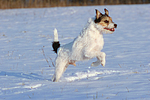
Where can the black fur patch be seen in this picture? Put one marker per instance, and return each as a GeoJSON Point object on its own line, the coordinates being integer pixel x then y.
{"type": "Point", "coordinates": [100, 18]}
{"type": "Point", "coordinates": [97, 20]}
{"type": "Point", "coordinates": [55, 46]}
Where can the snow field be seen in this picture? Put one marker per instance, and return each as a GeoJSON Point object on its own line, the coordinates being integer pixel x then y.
{"type": "Point", "coordinates": [26, 54]}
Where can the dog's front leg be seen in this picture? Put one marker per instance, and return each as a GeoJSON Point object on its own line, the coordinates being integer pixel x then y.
{"type": "Point", "coordinates": [100, 60]}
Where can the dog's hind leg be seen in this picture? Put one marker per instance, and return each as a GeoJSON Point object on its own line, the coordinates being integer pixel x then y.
{"type": "Point", "coordinates": [65, 67]}
{"type": "Point", "coordinates": [59, 69]}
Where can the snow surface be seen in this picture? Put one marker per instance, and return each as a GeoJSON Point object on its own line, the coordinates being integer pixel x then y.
{"type": "Point", "coordinates": [26, 55]}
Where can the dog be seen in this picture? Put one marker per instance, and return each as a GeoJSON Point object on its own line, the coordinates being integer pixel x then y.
{"type": "Point", "coordinates": [86, 46]}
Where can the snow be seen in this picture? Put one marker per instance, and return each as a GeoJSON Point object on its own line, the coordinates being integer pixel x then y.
{"type": "Point", "coordinates": [26, 54]}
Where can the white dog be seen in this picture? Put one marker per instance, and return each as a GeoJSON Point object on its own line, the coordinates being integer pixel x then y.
{"type": "Point", "coordinates": [84, 47]}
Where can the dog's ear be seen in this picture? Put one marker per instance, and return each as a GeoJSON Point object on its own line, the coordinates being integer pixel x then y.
{"type": "Point", "coordinates": [106, 12]}
{"type": "Point", "coordinates": [98, 14]}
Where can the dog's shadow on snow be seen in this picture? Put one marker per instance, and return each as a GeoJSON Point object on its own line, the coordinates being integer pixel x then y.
{"type": "Point", "coordinates": [31, 76]}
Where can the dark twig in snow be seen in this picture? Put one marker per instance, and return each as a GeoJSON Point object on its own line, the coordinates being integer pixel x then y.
{"type": "Point", "coordinates": [127, 89]}
{"type": "Point", "coordinates": [45, 57]}
{"type": "Point", "coordinates": [52, 62]}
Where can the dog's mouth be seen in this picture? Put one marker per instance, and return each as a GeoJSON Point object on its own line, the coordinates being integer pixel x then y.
{"type": "Point", "coordinates": [110, 29]}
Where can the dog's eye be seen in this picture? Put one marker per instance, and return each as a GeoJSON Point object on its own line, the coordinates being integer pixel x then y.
{"type": "Point", "coordinates": [106, 21]}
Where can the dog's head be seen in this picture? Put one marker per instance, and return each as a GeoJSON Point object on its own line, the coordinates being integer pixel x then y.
{"type": "Point", "coordinates": [105, 21]}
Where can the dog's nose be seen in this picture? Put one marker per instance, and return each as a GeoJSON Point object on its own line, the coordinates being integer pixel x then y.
{"type": "Point", "coordinates": [115, 25]}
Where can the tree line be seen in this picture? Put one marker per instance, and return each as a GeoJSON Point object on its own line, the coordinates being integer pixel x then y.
{"type": "Point", "coordinates": [11, 4]}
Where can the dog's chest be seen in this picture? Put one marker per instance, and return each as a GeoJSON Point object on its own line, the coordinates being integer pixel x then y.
{"type": "Point", "coordinates": [98, 42]}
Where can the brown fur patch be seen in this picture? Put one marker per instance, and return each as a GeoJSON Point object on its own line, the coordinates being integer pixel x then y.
{"type": "Point", "coordinates": [102, 22]}
{"type": "Point", "coordinates": [72, 64]}
{"type": "Point", "coordinates": [110, 19]}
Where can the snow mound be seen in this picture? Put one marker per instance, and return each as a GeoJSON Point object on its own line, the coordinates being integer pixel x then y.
{"type": "Point", "coordinates": [93, 74]}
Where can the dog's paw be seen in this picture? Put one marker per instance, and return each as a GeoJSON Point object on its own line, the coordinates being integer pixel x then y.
{"type": "Point", "coordinates": [103, 63]}
{"type": "Point", "coordinates": [95, 64]}
{"type": "Point", "coordinates": [54, 79]}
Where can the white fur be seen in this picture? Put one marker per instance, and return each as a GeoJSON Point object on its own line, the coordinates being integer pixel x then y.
{"type": "Point", "coordinates": [55, 35]}
{"type": "Point", "coordinates": [84, 47]}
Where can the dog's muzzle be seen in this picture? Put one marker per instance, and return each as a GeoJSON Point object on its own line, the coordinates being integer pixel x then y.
{"type": "Point", "coordinates": [111, 29]}
{"type": "Point", "coordinates": [115, 25]}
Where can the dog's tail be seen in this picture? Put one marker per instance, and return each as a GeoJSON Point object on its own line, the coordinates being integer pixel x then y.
{"type": "Point", "coordinates": [55, 43]}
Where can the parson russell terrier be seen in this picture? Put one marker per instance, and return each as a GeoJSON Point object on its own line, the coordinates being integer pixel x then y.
{"type": "Point", "coordinates": [87, 45]}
